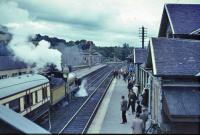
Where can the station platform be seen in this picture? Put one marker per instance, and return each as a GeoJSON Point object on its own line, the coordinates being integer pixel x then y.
{"type": "Point", "coordinates": [108, 117]}
{"type": "Point", "coordinates": [84, 72]}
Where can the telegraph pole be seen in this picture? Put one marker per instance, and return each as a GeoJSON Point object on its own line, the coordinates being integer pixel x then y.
{"type": "Point", "coordinates": [143, 34]}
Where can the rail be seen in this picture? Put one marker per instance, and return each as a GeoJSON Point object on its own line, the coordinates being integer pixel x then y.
{"type": "Point", "coordinates": [96, 108]}
{"type": "Point", "coordinates": [84, 104]}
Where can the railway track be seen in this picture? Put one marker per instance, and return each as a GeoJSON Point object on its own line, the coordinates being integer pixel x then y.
{"type": "Point", "coordinates": [82, 118]}
{"type": "Point", "coordinates": [62, 115]}
{"type": "Point", "coordinates": [96, 77]}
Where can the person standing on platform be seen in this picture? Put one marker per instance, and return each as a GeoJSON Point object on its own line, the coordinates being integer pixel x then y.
{"type": "Point", "coordinates": [135, 89]}
{"type": "Point", "coordinates": [129, 77]}
{"type": "Point", "coordinates": [139, 108]}
{"type": "Point", "coordinates": [124, 103]}
{"type": "Point", "coordinates": [137, 125]}
{"type": "Point", "coordinates": [145, 97]}
{"type": "Point", "coordinates": [132, 98]}
{"type": "Point", "coordinates": [119, 74]}
{"type": "Point", "coordinates": [124, 75]}
{"type": "Point", "coordinates": [130, 85]}
{"type": "Point", "coordinates": [144, 117]}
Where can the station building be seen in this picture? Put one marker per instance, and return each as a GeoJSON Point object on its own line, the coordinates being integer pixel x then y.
{"type": "Point", "coordinates": [171, 69]}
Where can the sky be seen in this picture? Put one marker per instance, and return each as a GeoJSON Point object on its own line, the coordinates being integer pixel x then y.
{"type": "Point", "coordinates": [105, 22]}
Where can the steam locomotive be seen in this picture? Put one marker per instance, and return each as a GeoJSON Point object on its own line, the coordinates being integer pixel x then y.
{"type": "Point", "coordinates": [60, 87]}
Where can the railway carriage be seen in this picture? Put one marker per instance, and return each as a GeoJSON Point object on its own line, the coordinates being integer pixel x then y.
{"type": "Point", "coordinates": [32, 95]}
{"type": "Point", "coordinates": [27, 94]}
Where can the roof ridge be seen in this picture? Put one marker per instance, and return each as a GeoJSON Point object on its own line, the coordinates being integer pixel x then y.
{"type": "Point", "coordinates": [21, 83]}
{"type": "Point", "coordinates": [182, 3]}
{"type": "Point", "coordinates": [175, 39]}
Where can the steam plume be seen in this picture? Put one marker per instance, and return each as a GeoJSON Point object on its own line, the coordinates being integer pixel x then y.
{"type": "Point", "coordinates": [82, 91]}
{"type": "Point", "coordinates": [22, 26]}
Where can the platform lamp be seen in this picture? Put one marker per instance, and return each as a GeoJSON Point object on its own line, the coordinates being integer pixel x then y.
{"type": "Point", "coordinates": [65, 76]}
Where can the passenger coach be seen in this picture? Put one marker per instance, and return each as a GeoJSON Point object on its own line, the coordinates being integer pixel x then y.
{"type": "Point", "coordinates": [27, 94]}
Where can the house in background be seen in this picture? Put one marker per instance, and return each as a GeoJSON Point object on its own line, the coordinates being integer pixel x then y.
{"type": "Point", "coordinates": [10, 67]}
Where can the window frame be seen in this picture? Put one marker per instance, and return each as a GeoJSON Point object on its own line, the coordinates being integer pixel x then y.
{"type": "Point", "coordinates": [28, 100]}
{"type": "Point", "coordinates": [15, 105]}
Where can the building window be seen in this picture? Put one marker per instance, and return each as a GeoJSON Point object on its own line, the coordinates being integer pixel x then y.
{"type": "Point", "coordinates": [23, 73]}
{"type": "Point", "coordinates": [15, 105]}
{"type": "Point", "coordinates": [44, 92]}
{"type": "Point", "coordinates": [36, 97]}
{"type": "Point", "coordinates": [28, 100]}
{"type": "Point", "coordinates": [14, 74]}
{"type": "Point", "coordinates": [3, 76]}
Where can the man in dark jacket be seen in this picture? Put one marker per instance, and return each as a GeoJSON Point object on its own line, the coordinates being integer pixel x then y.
{"type": "Point", "coordinates": [145, 98]}
{"type": "Point", "coordinates": [132, 98]}
{"type": "Point", "coordinates": [144, 117]}
{"type": "Point", "coordinates": [130, 85]}
{"type": "Point", "coordinates": [124, 103]}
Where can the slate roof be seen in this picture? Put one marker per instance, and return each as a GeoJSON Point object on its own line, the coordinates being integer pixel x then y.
{"type": "Point", "coordinates": [19, 122]}
{"type": "Point", "coordinates": [175, 57]}
{"type": "Point", "coordinates": [13, 85]}
{"type": "Point", "coordinates": [183, 101]}
{"type": "Point", "coordinates": [140, 55]}
{"type": "Point", "coordinates": [183, 18]}
{"type": "Point", "coordinates": [9, 63]}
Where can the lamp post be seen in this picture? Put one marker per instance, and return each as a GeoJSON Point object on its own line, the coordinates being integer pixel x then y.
{"type": "Point", "coordinates": [65, 76]}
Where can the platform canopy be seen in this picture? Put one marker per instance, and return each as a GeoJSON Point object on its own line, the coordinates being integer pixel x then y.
{"type": "Point", "coordinates": [17, 122]}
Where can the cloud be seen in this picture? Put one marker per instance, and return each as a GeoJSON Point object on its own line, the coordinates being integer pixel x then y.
{"type": "Point", "coordinates": [107, 22]}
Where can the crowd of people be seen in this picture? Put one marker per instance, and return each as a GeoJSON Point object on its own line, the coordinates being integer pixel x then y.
{"type": "Point", "coordinates": [137, 102]}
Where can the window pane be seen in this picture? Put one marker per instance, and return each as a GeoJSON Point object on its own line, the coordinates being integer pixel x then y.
{"type": "Point", "coordinates": [15, 105]}
{"type": "Point", "coordinates": [28, 100]}
{"type": "Point", "coordinates": [36, 97]}
{"type": "Point", "coordinates": [44, 92]}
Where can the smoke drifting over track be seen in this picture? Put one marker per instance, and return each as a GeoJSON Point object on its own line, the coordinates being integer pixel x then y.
{"type": "Point", "coordinates": [82, 91]}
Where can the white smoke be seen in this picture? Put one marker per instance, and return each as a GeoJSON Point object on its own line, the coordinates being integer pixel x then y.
{"type": "Point", "coordinates": [82, 91]}
{"type": "Point", "coordinates": [40, 54]}
{"type": "Point", "coordinates": [22, 27]}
